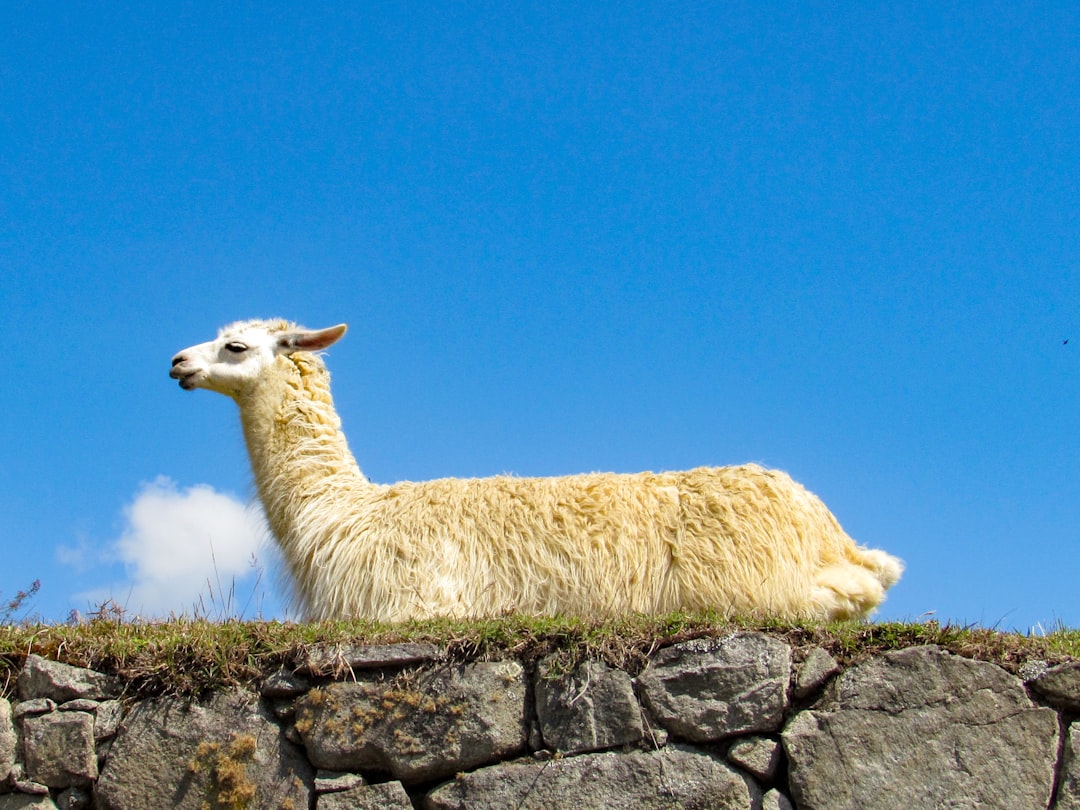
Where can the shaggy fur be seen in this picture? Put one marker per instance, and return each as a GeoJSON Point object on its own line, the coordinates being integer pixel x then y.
{"type": "Point", "coordinates": [741, 540]}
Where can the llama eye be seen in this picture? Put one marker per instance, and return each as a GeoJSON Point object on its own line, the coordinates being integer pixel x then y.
{"type": "Point", "coordinates": [236, 348]}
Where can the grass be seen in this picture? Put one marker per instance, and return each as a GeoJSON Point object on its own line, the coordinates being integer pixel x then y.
{"type": "Point", "coordinates": [189, 656]}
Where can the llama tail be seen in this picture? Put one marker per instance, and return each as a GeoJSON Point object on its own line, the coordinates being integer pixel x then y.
{"type": "Point", "coordinates": [852, 589]}
{"type": "Point", "coordinates": [885, 567]}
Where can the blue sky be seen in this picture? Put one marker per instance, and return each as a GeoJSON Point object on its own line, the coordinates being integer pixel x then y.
{"type": "Point", "coordinates": [841, 242]}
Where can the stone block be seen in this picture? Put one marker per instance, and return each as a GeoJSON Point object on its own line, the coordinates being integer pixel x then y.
{"type": "Point", "coordinates": [107, 719]}
{"type": "Point", "coordinates": [26, 708]}
{"type": "Point", "coordinates": [642, 780]}
{"type": "Point", "coordinates": [59, 749]}
{"type": "Point", "coordinates": [1060, 686]}
{"type": "Point", "coordinates": [336, 781]}
{"type": "Point", "coordinates": [423, 727]}
{"type": "Point", "coordinates": [704, 691]}
{"type": "Point", "coordinates": [813, 673]}
{"type": "Point", "coordinates": [284, 684]}
{"type": "Point", "coordinates": [758, 756]}
{"type": "Point", "coordinates": [224, 752]}
{"type": "Point", "coordinates": [42, 678]}
{"type": "Point", "coordinates": [922, 728]}
{"type": "Point", "coordinates": [7, 740]}
{"type": "Point", "coordinates": [74, 798]}
{"type": "Point", "coordinates": [590, 709]}
{"type": "Point", "coordinates": [339, 660]}
{"type": "Point", "coordinates": [384, 796]}
{"type": "Point", "coordinates": [775, 800]}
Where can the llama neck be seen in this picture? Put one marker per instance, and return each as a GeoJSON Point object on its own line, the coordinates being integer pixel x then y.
{"type": "Point", "coordinates": [298, 451]}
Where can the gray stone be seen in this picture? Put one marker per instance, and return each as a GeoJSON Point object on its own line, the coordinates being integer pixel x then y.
{"type": "Point", "coordinates": [338, 660]}
{"type": "Point", "coordinates": [758, 756]}
{"type": "Point", "coordinates": [1069, 789]}
{"type": "Point", "coordinates": [775, 800]}
{"type": "Point", "coordinates": [24, 801]}
{"type": "Point", "coordinates": [588, 710]}
{"type": "Point", "coordinates": [389, 795]}
{"type": "Point", "coordinates": [59, 749]}
{"type": "Point", "coordinates": [42, 678]}
{"type": "Point", "coordinates": [26, 708]}
{"type": "Point", "coordinates": [336, 781]}
{"type": "Point", "coordinates": [31, 788]}
{"type": "Point", "coordinates": [706, 692]}
{"type": "Point", "coordinates": [107, 719]}
{"type": "Point", "coordinates": [922, 728]}
{"type": "Point", "coordinates": [7, 740]}
{"type": "Point", "coordinates": [79, 705]}
{"type": "Point", "coordinates": [225, 752]}
{"type": "Point", "coordinates": [283, 709]}
{"type": "Point", "coordinates": [812, 674]}
{"type": "Point", "coordinates": [1060, 686]}
{"type": "Point", "coordinates": [284, 684]}
{"type": "Point", "coordinates": [73, 798]}
{"type": "Point", "coordinates": [419, 728]}
{"type": "Point", "coordinates": [674, 777]}
{"type": "Point", "coordinates": [107, 715]}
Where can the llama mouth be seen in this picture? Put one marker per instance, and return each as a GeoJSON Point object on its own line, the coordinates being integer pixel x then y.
{"type": "Point", "coordinates": [186, 379]}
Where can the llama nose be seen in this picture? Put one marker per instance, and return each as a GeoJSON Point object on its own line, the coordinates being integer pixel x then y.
{"type": "Point", "coordinates": [177, 361]}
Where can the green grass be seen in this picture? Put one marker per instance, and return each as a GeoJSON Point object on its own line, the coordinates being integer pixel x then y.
{"type": "Point", "coordinates": [189, 656]}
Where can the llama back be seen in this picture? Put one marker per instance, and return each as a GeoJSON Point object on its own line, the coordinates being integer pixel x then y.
{"type": "Point", "coordinates": [741, 540]}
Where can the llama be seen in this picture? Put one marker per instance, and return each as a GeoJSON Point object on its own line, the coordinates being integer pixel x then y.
{"type": "Point", "coordinates": [741, 540]}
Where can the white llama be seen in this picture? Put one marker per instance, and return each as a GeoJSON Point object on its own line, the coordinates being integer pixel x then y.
{"type": "Point", "coordinates": [741, 540]}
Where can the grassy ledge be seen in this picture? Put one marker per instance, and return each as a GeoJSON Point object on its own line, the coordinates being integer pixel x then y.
{"type": "Point", "coordinates": [192, 656]}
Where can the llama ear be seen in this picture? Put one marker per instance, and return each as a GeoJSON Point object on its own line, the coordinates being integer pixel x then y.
{"type": "Point", "coordinates": [312, 341]}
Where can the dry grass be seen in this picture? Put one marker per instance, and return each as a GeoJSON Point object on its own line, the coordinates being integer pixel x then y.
{"type": "Point", "coordinates": [189, 656]}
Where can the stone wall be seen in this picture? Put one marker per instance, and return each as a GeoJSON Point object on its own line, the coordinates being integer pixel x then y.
{"type": "Point", "coordinates": [738, 722]}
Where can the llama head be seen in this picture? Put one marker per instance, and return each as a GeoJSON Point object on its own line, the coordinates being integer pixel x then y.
{"type": "Point", "coordinates": [233, 362]}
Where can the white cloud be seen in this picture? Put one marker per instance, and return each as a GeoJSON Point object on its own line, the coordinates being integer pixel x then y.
{"type": "Point", "coordinates": [184, 551]}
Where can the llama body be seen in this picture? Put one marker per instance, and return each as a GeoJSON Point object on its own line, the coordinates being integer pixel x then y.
{"type": "Point", "coordinates": [741, 540]}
